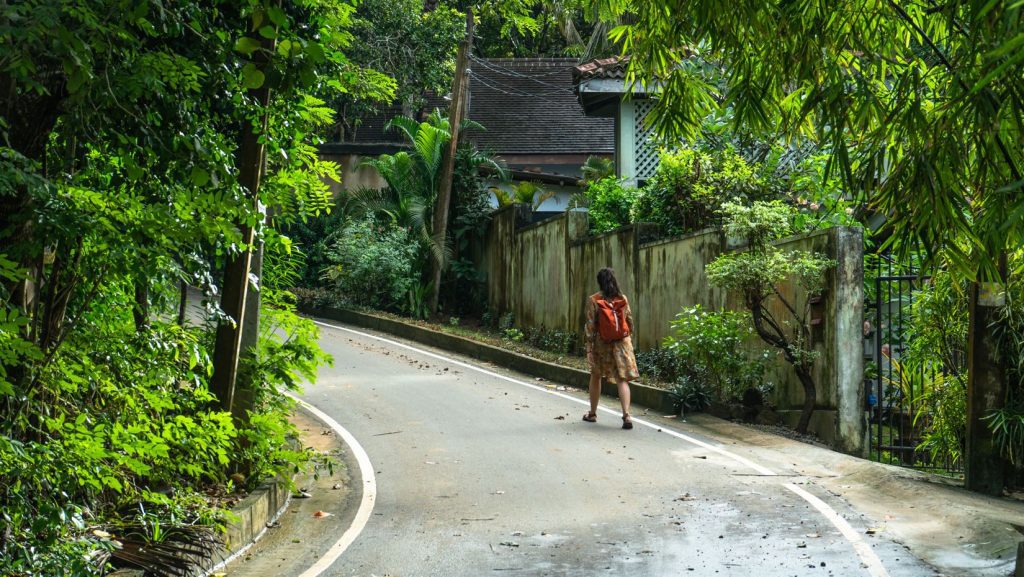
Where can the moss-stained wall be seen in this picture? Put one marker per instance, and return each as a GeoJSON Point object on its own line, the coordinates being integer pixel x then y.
{"type": "Point", "coordinates": [671, 276]}
{"type": "Point", "coordinates": [544, 272]}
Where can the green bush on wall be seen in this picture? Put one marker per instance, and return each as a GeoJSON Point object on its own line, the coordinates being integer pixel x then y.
{"type": "Point", "coordinates": [609, 204]}
{"type": "Point", "coordinates": [686, 192]}
{"type": "Point", "coordinates": [373, 265]}
{"type": "Point", "coordinates": [709, 347]}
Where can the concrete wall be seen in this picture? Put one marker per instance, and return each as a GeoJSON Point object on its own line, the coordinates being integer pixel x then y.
{"type": "Point", "coordinates": [353, 177]}
{"type": "Point", "coordinates": [544, 272]}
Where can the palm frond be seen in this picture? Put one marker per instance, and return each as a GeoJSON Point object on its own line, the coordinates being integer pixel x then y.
{"type": "Point", "coordinates": [406, 125]}
{"type": "Point", "coordinates": [429, 144]}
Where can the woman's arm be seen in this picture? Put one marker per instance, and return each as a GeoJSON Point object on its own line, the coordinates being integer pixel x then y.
{"type": "Point", "coordinates": [590, 329]}
{"type": "Point", "coordinates": [629, 316]}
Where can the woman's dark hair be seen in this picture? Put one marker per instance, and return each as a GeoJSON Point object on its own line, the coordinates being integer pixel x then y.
{"type": "Point", "coordinates": [609, 286]}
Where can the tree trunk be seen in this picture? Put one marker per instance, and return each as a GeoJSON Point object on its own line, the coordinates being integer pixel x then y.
{"type": "Point", "coordinates": [439, 230]}
{"type": "Point", "coordinates": [985, 468]}
{"type": "Point", "coordinates": [777, 339]}
{"type": "Point", "coordinates": [810, 398]}
{"type": "Point", "coordinates": [228, 344]}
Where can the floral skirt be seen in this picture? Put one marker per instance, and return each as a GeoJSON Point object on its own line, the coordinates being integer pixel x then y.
{"type": "Point", "coordinates": [615, 360]}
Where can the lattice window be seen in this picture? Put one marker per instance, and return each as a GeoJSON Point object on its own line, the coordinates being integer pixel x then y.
{"type": "Point", "coordinates": [646, 154]}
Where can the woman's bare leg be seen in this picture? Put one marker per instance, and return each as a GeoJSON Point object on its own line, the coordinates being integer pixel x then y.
{"type": "Point", "coordinates": [595, 391]}
{"type": "Point", "coordinates": [623, 387]}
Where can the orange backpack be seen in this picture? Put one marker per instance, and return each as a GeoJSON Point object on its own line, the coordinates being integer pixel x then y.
{"type": "Point", "coordinates": [611, 319]}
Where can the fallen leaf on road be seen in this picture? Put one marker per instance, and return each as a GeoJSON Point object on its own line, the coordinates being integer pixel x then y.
{"type": "Point", "coordinates": [321, 514]}
{"type": "Point", "coordinates": [560, 418]}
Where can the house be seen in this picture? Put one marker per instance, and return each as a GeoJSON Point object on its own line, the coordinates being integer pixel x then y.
{"type": "Point", "coordinates": [602, 92]}
{"type": "Point", "coordinates": [533, 123]}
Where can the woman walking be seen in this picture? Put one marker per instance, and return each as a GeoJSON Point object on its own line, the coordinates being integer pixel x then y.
{"type": "Point", "coordinates": [609, 347]}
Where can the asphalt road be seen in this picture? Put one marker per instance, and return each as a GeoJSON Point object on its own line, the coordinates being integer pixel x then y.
{"type": "Point", "coordinates": [496, 474]}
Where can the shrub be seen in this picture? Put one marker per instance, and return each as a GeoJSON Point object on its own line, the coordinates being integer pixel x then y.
{"type": "Point", "coordinates": [609, 204]}
{"type": "Point", "coordinates": [686, 192]}
{"type": "Point", "coordinates": [552, 340]}
{"type": "Point", "coordinates": [710, 348]}
{"type": "Point", "coordinates": [660, 364]}
{"type": "Point", "coordinates": [373, 265]}
{"type": "Point", "coordinates": [756, 273]}
{"type": "Point", "coordinates": [691, 394]}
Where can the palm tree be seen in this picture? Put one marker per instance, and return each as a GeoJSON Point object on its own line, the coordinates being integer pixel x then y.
{"type": "Point", "coordinates": [412, 178]}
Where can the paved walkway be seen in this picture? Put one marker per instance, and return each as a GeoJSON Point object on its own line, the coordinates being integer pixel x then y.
{"type": "Point", "coordinates": [482, 471]}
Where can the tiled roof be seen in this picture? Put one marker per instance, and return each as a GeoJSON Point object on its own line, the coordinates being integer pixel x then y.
{"type": "Point", "coordinates": [605, 68]}
{"type": "Point", "coordinates": [528, 106]}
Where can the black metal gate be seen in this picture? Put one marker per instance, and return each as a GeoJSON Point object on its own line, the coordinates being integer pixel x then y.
{"type": "Point", "coordinates": [898, 392]}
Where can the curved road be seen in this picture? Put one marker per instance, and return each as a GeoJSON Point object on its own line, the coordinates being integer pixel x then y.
{"type": "Point", "coordinates": [487, 472]}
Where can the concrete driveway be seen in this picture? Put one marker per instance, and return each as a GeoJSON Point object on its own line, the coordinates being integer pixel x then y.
{"type": "Point", "coordinates": [480, 471]}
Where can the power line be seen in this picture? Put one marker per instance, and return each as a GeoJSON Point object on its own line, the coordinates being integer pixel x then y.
{"type": "Point", "coordinates": [507, 72]}
{"type": "Point", "coordinates": [523, 91]}
{"type": "Point", "coordinates": [514, 92]}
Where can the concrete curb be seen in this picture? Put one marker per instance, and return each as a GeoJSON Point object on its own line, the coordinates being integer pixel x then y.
{"type": "Point", "coordinates": [643, 395]}
{"type": "Point", "coordinates": [252, 515]}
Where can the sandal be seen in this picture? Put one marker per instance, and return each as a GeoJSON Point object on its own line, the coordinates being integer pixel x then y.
{"type": "Point", "coordinates": [627, 423]}
{"type": "Point", "coordinates": [590, 417]}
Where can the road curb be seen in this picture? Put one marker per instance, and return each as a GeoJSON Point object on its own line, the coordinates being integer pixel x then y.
{"type": "Point", "coordinates": [252, 515]}
{"type": "Point", "coordinates": [643, 395]}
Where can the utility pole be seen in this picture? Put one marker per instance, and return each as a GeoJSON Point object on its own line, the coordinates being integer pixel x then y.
{"type": "Point", "coordinates": [228, 347]}
{"type": "Point", "coordinates": [456, 112]}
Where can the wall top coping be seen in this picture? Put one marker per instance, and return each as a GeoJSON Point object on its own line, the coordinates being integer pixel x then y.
{"type": "Point", "coordinates": [538, 224]}
{"type": "Point", "coordinates": [667, 240]}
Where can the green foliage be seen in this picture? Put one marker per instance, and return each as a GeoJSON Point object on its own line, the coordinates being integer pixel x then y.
{"type": "Point", "coordinates": [661, 364]}
{"type": "Point", "coordinates": [528, 28]}
{"type": "Point", "coordinates": [373, 264]}
{"type": "Point", "coordinates": [1008, 422]}
{"type": "Point", "coordinates": [756, 273]}
{"type": "Point", "coordinates": [691, 394]}
{"type": "Point", "coordinates": [523, 192]}
{"type": "Point", "coordinates": [711, 346]}
{"type": "Point", "coordinates": [609, 204]}
{"type": "Point", "coordinates": [596, 168]}
{"type": "Point", "coordinates": [687, 190]}
{"type": "Point", "coordinates": [922, 116]}
{"type": "Point", "coordinates": [413, 46]}
{"type": "Point", "coordinates": [551, 340]}
{"type": "Point", "coordinates": [135, 111]}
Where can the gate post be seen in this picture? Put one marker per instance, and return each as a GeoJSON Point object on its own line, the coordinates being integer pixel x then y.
{"type": "Point", "coordinates": [985, 468]}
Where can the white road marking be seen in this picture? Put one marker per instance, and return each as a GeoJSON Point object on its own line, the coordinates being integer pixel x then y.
{"type": "Point", "coordinates": [868, 558]}
{"type": "Point", "coordinates": [365, 505]}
